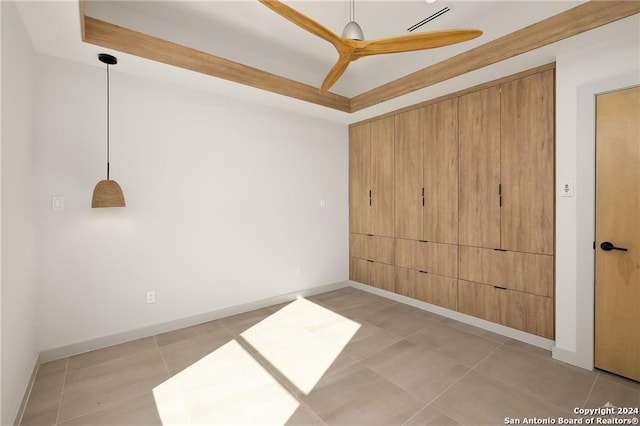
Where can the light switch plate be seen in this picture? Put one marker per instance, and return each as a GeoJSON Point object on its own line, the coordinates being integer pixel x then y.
{"type": "Point", "coordinates": [566, 188]}
{"type": "Point", "coordinates": [57, 203]}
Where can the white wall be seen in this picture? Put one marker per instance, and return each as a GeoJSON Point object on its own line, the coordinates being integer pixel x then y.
{"type": "Point", "coordinates": [580, 75]}
{"type": "Point", "coordinates": [223, 202]}
{"type": "Point", "coordinates": [18, 224]}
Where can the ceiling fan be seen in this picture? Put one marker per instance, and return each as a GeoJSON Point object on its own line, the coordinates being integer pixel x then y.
{"type": "Point", "coordinates": [352, 46]}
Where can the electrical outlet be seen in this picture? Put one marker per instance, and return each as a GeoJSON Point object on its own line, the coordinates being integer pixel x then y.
{"type": "Point", "coordinates": [151, 297]}
{"type": "Point", "coordinates": [299, 270]}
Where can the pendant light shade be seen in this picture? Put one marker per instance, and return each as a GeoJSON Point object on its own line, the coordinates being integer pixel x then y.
{"type": "Point", "coordinates": [352, 30]}
{"type": "Point", "coordinates": [107, 192]}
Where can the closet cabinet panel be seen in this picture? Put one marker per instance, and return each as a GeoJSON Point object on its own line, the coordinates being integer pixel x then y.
{"type": "Point", "coordinates": [372, 273]}
{"type": "Point", "coordinates": [382, 135]}
{"type": "Point", "coordinates": [430, 288]}
{"type": "Point", "coordinates": [479, 139]}
{"type": "Point", "coordinates": [527, 312]}
{"type": "Point", "coordinates": [441, 172]}
{"type": "Point", "coordinates": [426, 256]}
{"type": "Point", "coordinates": [405, 282]}
{"type": "Point", "coordinates": [359, 270]}
{"type": "Point", "coordinates": [358, 245]}
{"type": "Point", "coordinates": [381, 249]}
{"type": "Point", "coordinates": [531, 273]}
{"type": "Point", "coordinates": [528, 164]}
{"type": "Point", "coordinates": [371, 177]}
{"type": "Point", "coordinates": [522, 311]}
{"type": "Point", "coordinates": [372, 247]}
{"type": "Point", "coordinates": [408, 174]}
{"type": "Point", "coordinates": [479, 300]}
{"type": "Point", "coordinates": [359, 178]}
{"type": "Point", "coordinates": [382, 276]}
{"type": "Point", "coordinates": [438, 290]}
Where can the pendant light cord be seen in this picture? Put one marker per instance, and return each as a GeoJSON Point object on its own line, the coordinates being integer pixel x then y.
{"type": "Point", "coordinates": [108, 122]}
{"type": "Point", "coordinates": [353, 9]}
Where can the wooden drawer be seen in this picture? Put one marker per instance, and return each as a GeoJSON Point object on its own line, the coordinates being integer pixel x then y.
{"type": "Point", "coordinates": [430, 288]}
{"type": "Point", "coordinates": [371, 247]}
{"type": "Point", "coordinates": [479, 300]}
{"type": "Point", "coordinates": [375, 274]}
{"type": "Point", "coordinates": [515, 309]}
{"type": "Point", "coordinates": [382, 276]}
{"type": "Point", "coordinates": [527, 312]}
{"type": "Point", "coordinates": [530, 273]}
{"type": "Point", "coordinates": [425, 256]}
{"type": "Point", "coordinates": [358, 270]}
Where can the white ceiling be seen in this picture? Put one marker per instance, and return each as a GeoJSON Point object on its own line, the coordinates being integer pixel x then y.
{"type": "Point", "coordinates": [249, 33]}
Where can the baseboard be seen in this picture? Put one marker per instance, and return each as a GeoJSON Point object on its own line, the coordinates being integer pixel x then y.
{"type": "Point", "coordinates": [512, 333]}
{"type": "Point", "coordinates": [114, 339]}
{"type": "Point", "coordinates": [570, 357]}
{"type": "Point", "coordinates": [27, 392]}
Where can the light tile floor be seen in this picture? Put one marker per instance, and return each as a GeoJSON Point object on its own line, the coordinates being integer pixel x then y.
{"type": "Point", "coordinates": [346, 357]}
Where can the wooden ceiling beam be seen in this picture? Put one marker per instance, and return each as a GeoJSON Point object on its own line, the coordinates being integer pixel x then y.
{"type": "Point", "coordinates": [585, 17]}
{"type": "Point", "coordinates": [122, 39]}
{"type": "Point", "coordinates": [574, 21]}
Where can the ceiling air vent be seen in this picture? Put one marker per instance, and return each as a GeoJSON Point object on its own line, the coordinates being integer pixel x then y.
{"type": "Point", "coordinates": [429, 18]}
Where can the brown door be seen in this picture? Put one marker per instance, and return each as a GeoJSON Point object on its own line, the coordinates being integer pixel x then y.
{"type": "Point", "coordinates": [479, 136]}
{"type": "Point", "coordinates": [617, 286]}
{"type": "Point", "coordinates": [359, 178]}
{"type": "Point", "coordinates": [408, 174]}
{"type": "Point", "coordinates": [440, 221]}
{"type": "Point", "coordinates": [527, 164]}
{"type": "Point", "coordinates": [382, 177]}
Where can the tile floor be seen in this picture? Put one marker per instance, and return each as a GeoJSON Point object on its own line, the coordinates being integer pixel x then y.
{"type": "Point", "coordinates": [346, 357]}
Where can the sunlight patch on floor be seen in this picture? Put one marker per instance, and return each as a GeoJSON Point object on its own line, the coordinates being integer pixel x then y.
{"type": "Point", "coordinates": [230, 386]}
{"type": "Point", "coordinates": [302, 340]}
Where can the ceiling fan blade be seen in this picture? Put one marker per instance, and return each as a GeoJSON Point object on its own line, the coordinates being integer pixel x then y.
{"type": "Point", "coordinates": [411, 42]}
{"type": "Point", "coordinates": [302, 21]}
{"type": "Point", "coordinates": [335, 72]}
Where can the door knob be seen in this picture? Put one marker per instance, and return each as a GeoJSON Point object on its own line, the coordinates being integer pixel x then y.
{"type": "Point", "coordinates": [607, 246]}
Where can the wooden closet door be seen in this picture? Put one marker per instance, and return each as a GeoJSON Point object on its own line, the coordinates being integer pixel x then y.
{"type": "Point", "coordinates": [528, 164]}
{"type": "Point", "coordinates": [359, 178]}
{"type": "Point", "coordinates": [479, 139]}
{"type": "Point", "coordinates": [441, 172]}
{"type": "Point", "coordinates": [408, 174]}
{"type": "Point", "coordinates": [381, 219]}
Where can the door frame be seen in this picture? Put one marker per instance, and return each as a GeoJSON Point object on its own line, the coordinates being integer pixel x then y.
{"type": "Point", "coordinates": [574, 246]}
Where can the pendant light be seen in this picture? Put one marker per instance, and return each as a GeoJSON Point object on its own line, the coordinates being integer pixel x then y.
{"type": "Point", "coordinates": [107, 192]}
{"type": "Point", "coordinates": [352, 30]}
